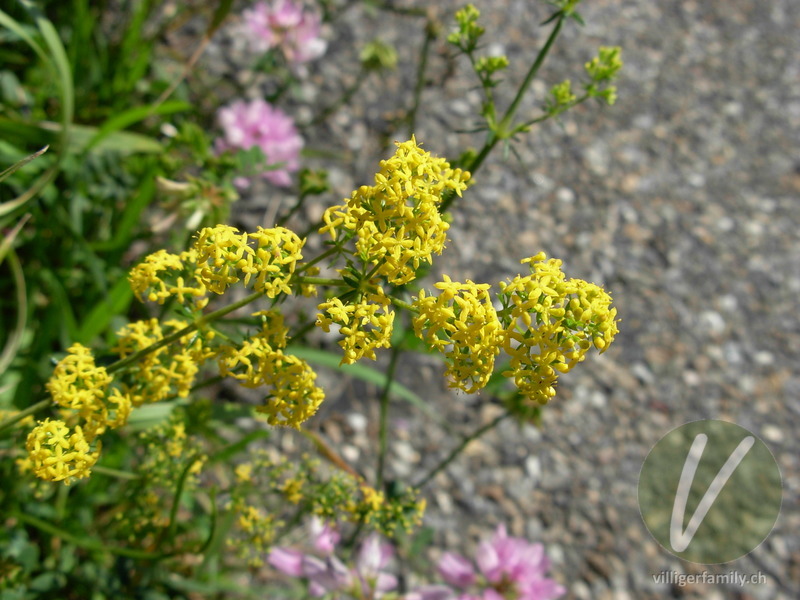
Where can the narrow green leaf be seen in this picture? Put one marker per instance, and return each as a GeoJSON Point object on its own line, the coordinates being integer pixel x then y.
{"type": "Point", "coordinates": [150, 415]}
{"type": "Point", "coordinates": [7, 242]}
{"type": "Point", "coordinates": [233, 449]}
{"type": "Point", "coordinates": [368, 374]}
{"type": "Point", "coordinates": [134, 115]}
{"type": "Point", "coordinates": [15, 339]}
{"type": "Point", "coordinates": [59, 301]}
{"type": "Point", "coordinates": [18, 165]}
{"type": "Point", "coordinates": [115, 303]}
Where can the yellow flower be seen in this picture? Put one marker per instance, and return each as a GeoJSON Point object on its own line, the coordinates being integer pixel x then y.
{"type": "Point", "coordinates": [57, 453]}
{"type": "Point", "coordinates": [462, 324]}
{"type": "Point", "coordinates": [550, 323]}
{"type": "Point", "coordinates": [294, 396]}
{"type": "Point", "coordinates": [222, 252]}
{"type": "Point", "coordinates": [162, 275]}
{"type": "Point", "coordinates": [76, 381]}
{"type": "Point", "coordinates": [397, 221]}
{"type": "Point", "coordinates": [255, 363]}
{"type": "Point", "coordinates": [168, 371]}
{"type": "Point", "coordinates": [366, 324]}
{"type": "Point", "coordinates": [225, 257]}
{"type": "Point", "coordinates": [276, 256]}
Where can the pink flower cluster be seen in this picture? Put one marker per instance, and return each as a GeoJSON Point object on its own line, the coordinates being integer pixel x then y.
{"type": "Point", "coordinates": [509, 568]}
{"type": "Point", "coordinates": [285, 25]}
{"type": "Point", "coordinates": [257, 123]}
{"type": "Point", "coordinates": [326, 573]}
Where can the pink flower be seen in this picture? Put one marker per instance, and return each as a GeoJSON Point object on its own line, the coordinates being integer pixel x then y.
{"type": "Point", "coordinates": [456, 570]}
{"type": "Point", "coordinates": [504, 560]}
{"type": "Point", "coordinates": [324, 536]}
{"type": "Point", "coordinates": [373, 556]}
{"type": "Point", "coordinates": [287, 561]}
{"type": "Point", "coordinates": [284, 24]}
{"type": "Point", "coordinates": [256, 123]}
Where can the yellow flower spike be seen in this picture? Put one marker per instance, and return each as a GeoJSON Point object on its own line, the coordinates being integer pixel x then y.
{"type": "Point", "coordinates": [461, 323]}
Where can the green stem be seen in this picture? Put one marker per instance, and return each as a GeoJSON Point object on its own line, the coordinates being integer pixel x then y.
{"type": "Point", "coordinates": [83, 541]}
{"type": "Point", "coordinates": [458, 449]}
{"type": "Point", "coordinates": [383, 442]}
{"type": "Point", "coordinates": [504, 127]}
{"type": "Point", "coordinates": [403, 304]}
{"type": "Point", "coordinates": [169, 531]}
{"type": "Point", "coordinates": [300, 199]}
{"type": "Point", "coordinates": [322, 281]}
{"type": "Point", "coordinates": [115, 473]}
{"type": "Point", "coordinates": [11, 421]}
{"type": "Point", "coordinates": [430, 35]}
{"type": "Point", "coordinates": [202, 321]}
{"type": "Point", "coordinates": [323, 256]}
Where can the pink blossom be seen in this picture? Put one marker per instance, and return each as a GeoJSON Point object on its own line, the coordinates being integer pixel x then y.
{"type": "Point", "coordinates": [504, 560]}
{"type": "Point", "coordinates": [284, 24]}
{"type": "Point", "coordinates": [287, 561]}
{"type": "Point", "coordinates": [373, 556]}
{"type": "Point", "coordinates": [456, 570]}
{"type": "Point", "coordinates": [324, 536]}
{"type": "Point", "coordinates": [256, 123]}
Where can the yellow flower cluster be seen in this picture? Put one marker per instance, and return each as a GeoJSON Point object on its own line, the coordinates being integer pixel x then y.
{"type": "Point", "coordinates": [163, 275]}
{"type": "Point", "coordinates": [166, 372]}
{"type": "Point", "coordinates": [260, 361]}
{"type": "Point", "coordinates": [462, 324]}
{"type": "Point", "coordinates": [170, 451]}
{"type": "Point", "coordinates": [397, 221]}
{"type": "Point", "coordinates": [58, 453]}
{"type": "Point", "coordinates": [366, 324]}
{"type": "Point", "coordinates": [259, 531]}
{"type": "Point", "coordinates": [220, 257]}
{"type": "Point", "coordinates": [61, 450]}
{"type": "Point", "coordinates": [76, 381]}
{"type": "Point", "coordinates": [550, 323]}
{"type": "Point", "coordinates": [224, 256]}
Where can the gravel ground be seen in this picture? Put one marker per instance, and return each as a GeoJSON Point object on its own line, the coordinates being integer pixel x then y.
{"type": "Point", "coordinates": [681, 199]}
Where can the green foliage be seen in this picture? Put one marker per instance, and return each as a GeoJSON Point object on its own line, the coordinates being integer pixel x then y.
{"type": "Point", "coordinates": [106, 154]}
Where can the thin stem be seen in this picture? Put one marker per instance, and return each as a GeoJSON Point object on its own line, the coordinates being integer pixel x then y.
{"type": "Point", "coordinates": [345, 98]}
{"type": "Point", "coordinates": [430, 35]}
{"type": "Point", "coordinates": [458, 449]}
{"type": "Point", "coordinates": [495, 136]}
{"type": "Point", "coordinates": [383, 442]}
{"type": "Point", "coordinates": [115, 473]}
{"type": "Point", "coordinates": [322, 281]}
{"type": "Point", "coordinates": [403, 304]}
{"type": "Point", "coordinates": [83, 541]}
{"type": "Point", "coordinates": [315, 260]}
{"type": "Point", "coordinates": [169, 531]}
{"type": "Point", "coordinates": [209, 318]}
{"type": "Point", "coordinates": [533, 71]}
{"type": "Point", "coordinates": [11, 421]}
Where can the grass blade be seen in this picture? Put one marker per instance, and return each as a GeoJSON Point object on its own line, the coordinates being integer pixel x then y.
{"type": "Point", "coordinates": [15, 339]}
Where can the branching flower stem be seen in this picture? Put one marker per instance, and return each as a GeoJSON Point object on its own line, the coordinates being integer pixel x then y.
{"type": "Point", "coordinates": [458, 449]}
{"type": "Point", "coordinates": [504, 129]}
